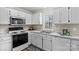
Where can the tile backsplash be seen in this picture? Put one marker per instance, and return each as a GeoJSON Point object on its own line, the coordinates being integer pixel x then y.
{"type": "Point", "coordinates": [4, 28]}
{"type": "Point", "coordinates": [73, 28]}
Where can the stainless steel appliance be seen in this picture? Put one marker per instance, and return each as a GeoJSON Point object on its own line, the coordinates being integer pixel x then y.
{"type": "Point", "coordinates": [16, 21]}
{"type": "Point", "coordinates": [19, 36]}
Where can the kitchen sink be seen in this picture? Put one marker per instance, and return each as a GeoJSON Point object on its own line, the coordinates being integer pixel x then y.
{"type": "Point", "coordinates": [45, 32]}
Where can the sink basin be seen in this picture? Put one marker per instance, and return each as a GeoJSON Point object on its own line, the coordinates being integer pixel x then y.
{"type": "Point", "coordinates": [45, 32]}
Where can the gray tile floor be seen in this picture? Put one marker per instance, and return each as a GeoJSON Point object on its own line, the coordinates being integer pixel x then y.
{"type": "Point", "coordinates": [32, 48]}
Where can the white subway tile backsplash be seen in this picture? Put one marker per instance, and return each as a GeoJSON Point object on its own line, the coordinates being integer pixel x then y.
{"type": "Point", "coordinates": [73, 28]}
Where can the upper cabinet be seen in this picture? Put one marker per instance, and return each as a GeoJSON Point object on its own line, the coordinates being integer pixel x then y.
{"type": "Point", "coordinates": [28, 18]}
{"type": "Point", "coordinates": [60, 15]}
{"type": "Point", "coordinates": [63, 15]}
{"type": "Point", "coordinates": [66, 15]}
{"type": "Point", "coordinates": [4, 15]}
{"type": "Point", "coordinates": [17, 14]}
{"type": "Point", "coordinates": [74, 14]}
{"type": "Point", "coordinates": [56, 16]}
{"type": "Point", "coordinates": [37, 18]}
{"type": "Point", "coordinates": [13, 13]}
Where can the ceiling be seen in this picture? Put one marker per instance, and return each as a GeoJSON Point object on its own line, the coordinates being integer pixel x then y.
{"type": "Point", "coordinates": [32, 9]}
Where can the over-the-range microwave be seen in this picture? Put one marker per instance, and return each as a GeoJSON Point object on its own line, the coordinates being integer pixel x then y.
{"type": "Point", "coordinates": [17, 21]}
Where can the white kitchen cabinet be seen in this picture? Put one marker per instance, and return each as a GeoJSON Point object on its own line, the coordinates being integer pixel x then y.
{"type": "Point", "coordinates": [74, 45]}
{"type": "Point", "coordinates": [4, 16]}
{"type": "Point", "coordinates": [17, 13]}
{"type": "Point", "coordinates": [13, 13]}
{"type": "Point", "coordinates": [74, 14]}
{"type": "Point", "coordinates": [60, 44]}
{"type": "Point", "coordinates": [28, 19]}
{"type": "Point", "coordinates": [63, 14]}
{"type": "Point", "coordinates": [37, 18]}
{"type": "Point", "coordinates": [37, 39]}
{"type": "Point", "coordinates": [21, 15]}
{"type": "Point", "coordinates": [47, 42]}
{"type": "Point", "coordinates": [56, 16]}
{"type": "Point", "coordinates": [5, 43]}
{"type": "Point", "coordinates": [66, 15]}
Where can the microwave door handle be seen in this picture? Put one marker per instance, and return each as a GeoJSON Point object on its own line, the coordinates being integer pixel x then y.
{"type": "Point", "coordinates": [10, 20]}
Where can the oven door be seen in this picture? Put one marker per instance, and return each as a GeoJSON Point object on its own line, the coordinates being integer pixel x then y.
{"type": "Point", "coordinates": [20, 39]}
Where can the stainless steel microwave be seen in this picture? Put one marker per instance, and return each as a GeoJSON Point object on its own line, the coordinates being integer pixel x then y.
{"type": "Point", "coordinates": [16, 21]}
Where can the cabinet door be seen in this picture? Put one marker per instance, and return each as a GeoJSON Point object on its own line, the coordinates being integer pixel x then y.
{"type": "Point", "coordinates": [21, 15]}
{"type": "Point", "coordinates": [74, 45]}
{"type": "Point", "coordinates": [4, 16]}
{"type": "Point", "coordinates": [17, 13]}
{"type": "Point", "coordinates": [13, 13]}
{"type": "Point", "coordinates": [47, 43]}
{"type": "Point", "coordinates": [37, 40]}
{"type": "Point", "coordinates": [37, 18]}
{"type": "Point", "coordinates": [5, 43]}
{"type": "Point", "coordinates": [63, 15]}
{"type": "Point", "coordinates": [6, 46]}
{"type": "Point", "coordinates": [74, 14]}
{"type": "Point", "coordinates": [28, 18]}
{"type": "Point", "coordinates": [56, 16]}
{"type": "Point", "coordinates": [61, 44]}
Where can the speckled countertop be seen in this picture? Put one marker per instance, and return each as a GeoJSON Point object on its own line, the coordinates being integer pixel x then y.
{"type": "Point", "coordinates": [58, 35]}
{"type": "Point", "coordinates": [64, 36]}
{"type": "Point", "coordinates": [51, 34]}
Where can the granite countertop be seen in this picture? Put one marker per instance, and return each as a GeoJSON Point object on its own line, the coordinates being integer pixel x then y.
{"type": "Point", "coordinates": [64, 36]}
{"type": "Point", "coordinates": [58, 35]}
{"type": "Point", "coordinates": [51, 34]}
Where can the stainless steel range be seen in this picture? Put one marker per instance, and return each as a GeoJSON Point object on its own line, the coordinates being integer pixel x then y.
{"type": "Point", "coordinates": [19, 36]}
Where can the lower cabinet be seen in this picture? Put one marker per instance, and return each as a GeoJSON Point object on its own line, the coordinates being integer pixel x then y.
{"type": "Point", "coordinates": [6, 46]}
{"type": "Point", "coordinates": [74, 45]}
{"type": "Point", "coordinates": [60, 44]}
{"type": "Point", "coordinates": [5, 43]}
{"type": "Point", "coordinates": [47, 43]}
{"type": "Point", "coordinates": [53, 43]}
{"type": "Point", "coordinates": [37, 39]}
